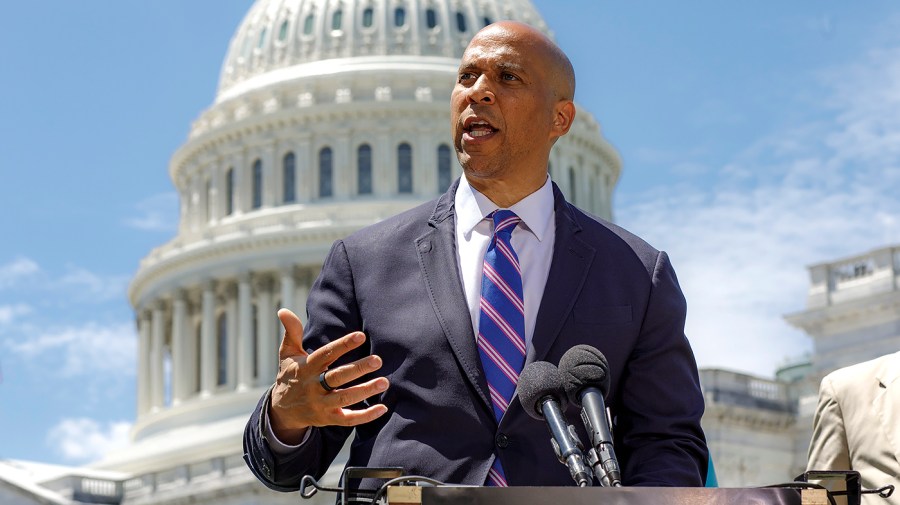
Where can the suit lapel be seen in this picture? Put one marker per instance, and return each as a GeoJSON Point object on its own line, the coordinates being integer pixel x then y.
{"type": "Point", "coordinates": [572, 258]}
{"type": "Point", "coordinates": [887, 402]}
{"type": "Point", "coordinates": [437, 258]}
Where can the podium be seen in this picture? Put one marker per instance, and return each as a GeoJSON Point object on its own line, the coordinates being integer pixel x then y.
{"type": "Point", "coordinates": [451, 495]}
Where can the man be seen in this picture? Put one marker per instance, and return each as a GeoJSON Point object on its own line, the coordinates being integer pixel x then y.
{"type": "Point", "coordinates": [857, 424]}
{"type": "Point", "coordinates": [406, 298]}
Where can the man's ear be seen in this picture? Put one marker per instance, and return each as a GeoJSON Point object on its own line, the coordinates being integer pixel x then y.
{"type": "Point", "coordinates": [563, 115]}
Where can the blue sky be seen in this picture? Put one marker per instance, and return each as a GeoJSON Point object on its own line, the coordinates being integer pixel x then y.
{"type": "Point", "coordinates": [756, 138]}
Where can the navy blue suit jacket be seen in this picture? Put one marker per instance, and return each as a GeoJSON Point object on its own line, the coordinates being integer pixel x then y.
{"type": "Point", "coordinates": [398, 282]}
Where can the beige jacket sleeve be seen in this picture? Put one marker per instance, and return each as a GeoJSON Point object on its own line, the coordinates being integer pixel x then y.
{"type": "Point", "coordinates": [828, 449]}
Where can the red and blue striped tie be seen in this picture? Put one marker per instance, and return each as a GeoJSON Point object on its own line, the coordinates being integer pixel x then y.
{"type": "Point", "coordinates": [501, 327]}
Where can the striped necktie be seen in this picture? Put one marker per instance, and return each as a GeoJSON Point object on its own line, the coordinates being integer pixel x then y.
{"type": "Point", "coordinates": [501, 327]}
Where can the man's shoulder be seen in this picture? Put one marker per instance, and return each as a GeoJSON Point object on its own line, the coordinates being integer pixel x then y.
{"type": "Point", "coordinates": [409, 223]}
{"type": "Point", "coordinates": [850, 377]}
{"type": "Point", "coordinates": [610, 236]}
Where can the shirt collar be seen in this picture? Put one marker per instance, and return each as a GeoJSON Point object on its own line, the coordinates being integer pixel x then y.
{"type": "Point", "coordinates": [535, 210]}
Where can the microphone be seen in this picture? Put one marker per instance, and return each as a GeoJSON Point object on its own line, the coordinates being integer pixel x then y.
{"type": "Point", "coordinates": [585, 374]}
{"type": "Point", "coordinates": [541, 392]}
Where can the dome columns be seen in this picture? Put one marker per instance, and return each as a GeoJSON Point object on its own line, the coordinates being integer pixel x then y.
{"type": "Point", "coordinates": [237, 312]}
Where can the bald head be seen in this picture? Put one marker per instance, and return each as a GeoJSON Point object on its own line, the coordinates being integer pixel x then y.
{"type": "Point", "coordinates": [540, 46]}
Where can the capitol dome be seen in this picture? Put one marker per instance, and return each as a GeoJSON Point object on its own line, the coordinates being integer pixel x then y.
{"type": "Point", "coordinates": [330, 115]}
{"type": "Point", "coordinates": [283, 39]}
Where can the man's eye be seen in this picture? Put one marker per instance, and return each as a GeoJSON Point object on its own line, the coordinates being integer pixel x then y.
{"type": "Point", "coordinates": [466, 76]}
{"type": "Point", "coordinates": [509, 77]}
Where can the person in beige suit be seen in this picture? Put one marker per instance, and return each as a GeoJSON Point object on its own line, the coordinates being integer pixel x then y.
{"type": "Point", "coordinates": [857, 425]}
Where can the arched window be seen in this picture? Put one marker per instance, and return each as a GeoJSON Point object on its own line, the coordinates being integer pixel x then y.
{"type": "Point", "coordinates": [229, 192]}
{"type": "Point", "coordinates": [325, 175]}
{"type": "Point", "coordinates": [572, 185]}
{"type": "Point", "coordinates": [167, 375]}
{"type": "Point", "coordinates": [262, 38]}
{"type": "Point", "coordinates": [209, 200]}
{"type": "Point", "coordinates": [461, 22]}
{"type": "Point", "coordinates": [283, 31]}
{"type": "Point", "coordinates": [399, 17]}
{"type": "Point", "coordinates": [337, 19]}
{"type": "Point", "coordinates": [257, 184]}
{"type": "Point", "coordinates": [431, 18]}
{"type": "Point", "coordinates": [443, 164]}
{"type": "Point", "coordinates": [309, 23]}
{"type": "Point", "coordinates": [364, 169]}
{"type": "Point", "coordinates": [254, 331]}
{"type": "Point", "coordinates": [198, 338]}
{"type": "Point", "coordinates": [404, 168]}
{"type": "Point", "coordinates": [222, 350]}
{"type": "Point", "coordinates": [487, 21]}
{"type": "Point", "coordinates": [288, 163]}
{"type": "Point", "coordinates": [368, 17]}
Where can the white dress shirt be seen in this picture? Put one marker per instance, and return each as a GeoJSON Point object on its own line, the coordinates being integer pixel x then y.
{"type": "Point", "coordinates": [532, 240]}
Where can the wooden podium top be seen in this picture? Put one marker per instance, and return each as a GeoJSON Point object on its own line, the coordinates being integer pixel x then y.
{"type": "Point", "coordinates": [447, 495]}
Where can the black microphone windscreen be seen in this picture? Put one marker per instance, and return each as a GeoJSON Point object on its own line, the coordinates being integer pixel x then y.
{"type": "Point", "coordinates": [583, 366]}
{"type": "Point", "coordinates": [537, 381]}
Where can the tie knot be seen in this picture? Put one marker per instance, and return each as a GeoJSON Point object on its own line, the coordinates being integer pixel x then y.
{"type": "Point", "coordinates": [505, 221]}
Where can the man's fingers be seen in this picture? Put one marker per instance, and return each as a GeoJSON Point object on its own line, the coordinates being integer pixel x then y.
{"type": "Point", "coordinates": [357, 417]}
{"type": "Point", "coordinates": [324, 356]}
{"type": "Point", "coordinates": [292, 342]}
{"type": "Point", "coordinates": [339, 376]}
{"type": "Point", "coordinates": [342, 398]}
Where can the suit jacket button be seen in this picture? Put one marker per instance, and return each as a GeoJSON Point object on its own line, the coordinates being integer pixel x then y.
{"type": "Point", "coordinates": [502, 441]}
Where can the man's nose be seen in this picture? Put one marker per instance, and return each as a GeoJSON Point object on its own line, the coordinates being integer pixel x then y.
{"type": "Point", "coordinates": [481, 91]}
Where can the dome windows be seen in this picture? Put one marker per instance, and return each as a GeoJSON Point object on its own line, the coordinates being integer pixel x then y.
{"type": "Point", "coordinates": [368, 17]}
{"type": "Point", "coordinates": [283, 30]}
{"type": "Point", "coordinates": [404, 168]}
{"type": "Point", "coordinates": [262, 38]}
{"type": "Point", "coordinates": [337, 20]}
{"type": "Point", "coordinates": [461, 22]}
{"type": "Point", "coordinates": [309, 23]}
{"type": "Point", "coordinates": [487, 21]}
{"type": "Point", "coordinates": [290, 177]}
{"type": "Point", "coordinates": [257, 184]}
{"type": "Point", "coordinates": [400, 17]}
{"type": "Point", "coordinates": [444, 176]}
{"type": "Point", "coordinates": [325, 173]}
{"type": "Point", "coordinates": [364, 169]}
{"type": "Point", "coordinates": [431, 18]}
{"type": "Point", "coordinates": [222, 350]}
{"type": "Point", "coordinates": [229, 192]}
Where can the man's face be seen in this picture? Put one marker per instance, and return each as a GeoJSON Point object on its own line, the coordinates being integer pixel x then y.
{"type": "Point", "coordinates": [502, 107]}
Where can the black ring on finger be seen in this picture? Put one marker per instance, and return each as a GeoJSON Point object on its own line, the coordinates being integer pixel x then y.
{"type": "Point", "coordinates": [324, 383]}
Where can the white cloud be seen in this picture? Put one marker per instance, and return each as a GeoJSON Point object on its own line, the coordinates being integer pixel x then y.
{"type": "Point", "coordinates": [156, 213]}
{"type": "Point", "coordinates": [89, 349]}
{"type": "Point", "coordinates": [17, 270]}
{"type": "Point", "coordinates": [9, 313]}
{"type": "Point", "coordinates": [85, 440]}
{"type": "Point", "coordinates": [811, 193]}
{"type": "Point", "coordinates": [94, 287]}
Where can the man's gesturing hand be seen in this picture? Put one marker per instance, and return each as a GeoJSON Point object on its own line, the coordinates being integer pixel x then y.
{"type": "Point", "coordinates": [299, 400]}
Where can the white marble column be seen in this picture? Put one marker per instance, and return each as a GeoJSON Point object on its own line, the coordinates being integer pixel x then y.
{"type": "Point", "coordinates": [384, 166]}
{"type": "Point", "coordinates": [267, 351]}
{"type": "Point", "coordinates": [287, 289]}
{"type": "Point", "coordinates": [231, 341]}
{"type": "Point", "coordinates": [244, 334]}
{"type": "Point", "coordinates": [208, 341]}
{"type": "Point", "coordinates": [143, 379]}
{"type": "Point", "coordinates": [180, 351]}
{"type": "Point", "coordinates": [157, 332]}
{"type": "Point", "coordinates": [300, 294]}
